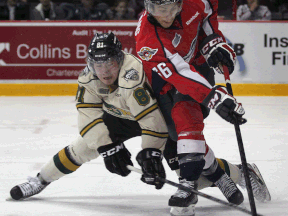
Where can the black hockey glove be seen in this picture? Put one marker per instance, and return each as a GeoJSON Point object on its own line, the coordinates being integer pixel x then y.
{"type": "Point", "coordinates": [216, 51]}
{"type": "Point", "coordinates": [150, 160]}
{"type": "Point", "coordinates": [225, 105]}
{"type": "Point", "coordinates": [116, 158]}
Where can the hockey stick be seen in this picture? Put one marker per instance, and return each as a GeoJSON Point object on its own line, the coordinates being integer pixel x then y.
{"type": "Point", "coordinates": [134, 169]}
{"type": "Point", "coordinates": [241, 146]}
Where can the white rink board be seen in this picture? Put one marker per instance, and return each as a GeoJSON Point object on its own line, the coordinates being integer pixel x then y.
{"type": "Point", "coordinates": [258, 57]}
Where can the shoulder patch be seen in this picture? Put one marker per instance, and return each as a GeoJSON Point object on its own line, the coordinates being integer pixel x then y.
{"type": "Point", "coordinates": [146, 53]}
{"type": "Point", "coordinates": [131, 74]}
{"type": "Point", "coordinates": [84, 72]}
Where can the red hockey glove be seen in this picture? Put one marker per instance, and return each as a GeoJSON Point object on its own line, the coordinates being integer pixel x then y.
{"type": "Point", "coordinates": [216, 52]}
{"type": "Point", "coordinates": [225, 105]}
{"type": "Point", "coordinates": [150, 160]}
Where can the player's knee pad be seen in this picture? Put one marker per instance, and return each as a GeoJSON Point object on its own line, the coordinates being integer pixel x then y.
{"type": "Point", "coordinates": [191, 165]}
{"type": "Point", "coordinates": [191, 151]}
{"type": "Point", "coordinates": [80, 152]}
{"type": "Point", "coordinates": [170, 154]}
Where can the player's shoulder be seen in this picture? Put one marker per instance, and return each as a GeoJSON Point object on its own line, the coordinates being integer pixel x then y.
{"type": "Point", "coordinates": [145, 30]}
{"type": "Point", "coordinates": [147, 41]}
{"type": "Point", "coordinates": [131, 73]}
{"type": "Point", "coordinates": [86, 77]}
{"type": "Point", "coordinates": [191, 5]}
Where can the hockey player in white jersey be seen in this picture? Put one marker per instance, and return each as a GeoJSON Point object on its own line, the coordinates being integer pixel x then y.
{"type": "Point", "coordinates": [115, 103]}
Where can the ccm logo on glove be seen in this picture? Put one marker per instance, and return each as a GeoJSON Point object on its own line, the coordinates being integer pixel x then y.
{"type": "Point", "coordinates": [156, 154]}
{"type": "Point", "coordinates": [214, 100]}
{"type": "Point", "coordinates": [211, 44]}
{"type": "Point", "coordinates": [112, 151]}
{"type": "Point", "coordinates": [216, 52]}
{"type": "Point", "coordinates": [225, 105]}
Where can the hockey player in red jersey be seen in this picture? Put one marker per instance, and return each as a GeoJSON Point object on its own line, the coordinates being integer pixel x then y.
{"type": "Point", "coordinates": [180, 46]}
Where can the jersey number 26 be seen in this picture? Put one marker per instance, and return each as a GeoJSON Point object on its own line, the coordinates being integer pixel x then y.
{"type": "Point", "coordinates": [162, 69]}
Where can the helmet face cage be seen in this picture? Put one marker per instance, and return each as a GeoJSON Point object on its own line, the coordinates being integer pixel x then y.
{"type": "Point", "coordinates": [150, 5]}
{"type": "Point", "coordinates": [104, 48]}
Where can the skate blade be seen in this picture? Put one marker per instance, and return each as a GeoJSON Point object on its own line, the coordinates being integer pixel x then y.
{"type": "Point", "coordinates": [10, 199]}
{"type": "Point", "coordinates": [183, 211]}
{"type": "Point", "coordinates": [268, 196]}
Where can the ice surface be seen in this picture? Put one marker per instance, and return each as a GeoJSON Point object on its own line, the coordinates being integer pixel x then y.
{"type": "Point", "coordinates": [33, 129]}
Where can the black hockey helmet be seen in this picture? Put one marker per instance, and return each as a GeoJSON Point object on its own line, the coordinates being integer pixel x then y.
{"type": "Point", "coordinates": [104, 47]}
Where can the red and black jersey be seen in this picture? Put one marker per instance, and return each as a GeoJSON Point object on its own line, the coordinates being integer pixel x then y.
{"type": "Point", "coordinates": [168, 54]}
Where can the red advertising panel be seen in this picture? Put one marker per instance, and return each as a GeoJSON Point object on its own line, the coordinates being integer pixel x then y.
{"type": "Point", "coordinates": [53, 50]}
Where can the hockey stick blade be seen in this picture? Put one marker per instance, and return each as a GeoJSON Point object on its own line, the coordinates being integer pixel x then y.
{"type": "Point", "coordinates": [134, 169]}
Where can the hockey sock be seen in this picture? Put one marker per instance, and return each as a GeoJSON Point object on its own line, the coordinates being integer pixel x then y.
{"type": "Point", "coordinates": [60, 165]}
{"type": "Point", "coordinates": [214, 172]}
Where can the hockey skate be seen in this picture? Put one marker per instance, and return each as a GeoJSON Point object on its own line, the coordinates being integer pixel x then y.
{"type": "Point", "coordinates": [28, 189]}
{"type": "Point", "coordinates": [229, 190]}
{"type": "Point", "coordinates": [183, 203]}
{"type": "Point", "coordinates": [260, 190]}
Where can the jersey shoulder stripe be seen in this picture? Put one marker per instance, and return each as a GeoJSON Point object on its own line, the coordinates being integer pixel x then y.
{"type": "Point", "coordinates": [155, 134]}
{"type": "Point", "coordinates": [89, 105]}
{"type": "Point", "coordinates": [146, 112]}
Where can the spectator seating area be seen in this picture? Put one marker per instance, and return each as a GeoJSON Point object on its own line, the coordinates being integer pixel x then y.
{"type": "Point", "coordinates": [125, 9]}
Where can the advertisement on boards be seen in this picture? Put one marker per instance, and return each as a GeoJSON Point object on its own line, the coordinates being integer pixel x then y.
{"type": "Point", "coordinates": [261, 49]}
{"type": "Point", "coordinates": [57, 51]}
{"type": "Point", "coordinates": [52, 51]}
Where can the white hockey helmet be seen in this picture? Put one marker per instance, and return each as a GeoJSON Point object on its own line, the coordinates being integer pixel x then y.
{"type": "Point", "coordinates": [158, 7]}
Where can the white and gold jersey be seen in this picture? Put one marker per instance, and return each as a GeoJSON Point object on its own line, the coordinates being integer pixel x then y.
{"type": "Point", "coordinates": [131, 99]}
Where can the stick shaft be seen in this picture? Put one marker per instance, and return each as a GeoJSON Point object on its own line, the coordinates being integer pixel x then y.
{"type": "Point", "coordinates": [196, 192]}
{"type": "Point", "coordinates": [241, 148]}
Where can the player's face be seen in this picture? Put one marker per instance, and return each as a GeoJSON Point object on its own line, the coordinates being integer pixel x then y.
{"type": "Point", "coordinates": [165, 14]}
{"type": "Point", "coordinates": [107, 71]}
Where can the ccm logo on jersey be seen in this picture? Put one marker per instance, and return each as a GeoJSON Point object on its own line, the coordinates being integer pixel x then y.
{"type": "Point", "coordinates": [146, 53]}
{"type": "Point", "coordinates": [214, 100]}
{"type": "Point", "coordinates": [112, 151]}
{"type": "Point", "coordinates": [211, 44]}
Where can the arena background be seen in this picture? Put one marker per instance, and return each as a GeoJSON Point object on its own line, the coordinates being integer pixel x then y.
{"type": "Point", "coordinates": [44, 58]}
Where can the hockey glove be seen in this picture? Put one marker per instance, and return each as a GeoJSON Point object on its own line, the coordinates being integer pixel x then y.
{"type": "Point", "coordinates": [116, 158]}
{"type": "Point", "coordinates": [225, 105]}
{"type": "Point", "coordinates": [150, 160]}
{"type": "Point", "coordinates": [216, 51]}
